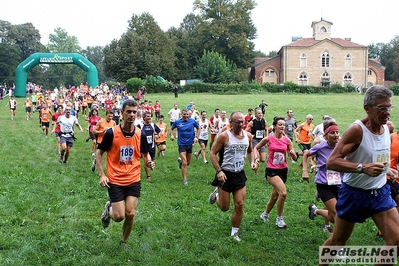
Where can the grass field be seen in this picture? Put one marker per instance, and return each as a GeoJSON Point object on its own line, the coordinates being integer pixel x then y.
{"type": "Point", "coordinates": [50, 212]}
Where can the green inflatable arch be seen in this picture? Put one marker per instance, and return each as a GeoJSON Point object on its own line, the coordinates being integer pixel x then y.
{"type": "Point", "coordinates": [21, 75]}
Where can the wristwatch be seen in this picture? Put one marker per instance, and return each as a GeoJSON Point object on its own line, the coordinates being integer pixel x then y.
{"type": "Point", "coordinates": [359, 168]}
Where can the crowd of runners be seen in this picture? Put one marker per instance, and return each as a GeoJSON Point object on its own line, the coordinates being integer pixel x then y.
{"type": "Point", "coordinates": [232, 138]}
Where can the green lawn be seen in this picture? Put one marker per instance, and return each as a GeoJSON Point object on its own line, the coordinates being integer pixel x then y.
{"type": "Point", "coordinates": [50, 212]}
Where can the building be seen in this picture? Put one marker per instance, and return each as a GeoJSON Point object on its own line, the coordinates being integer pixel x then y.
{"type": "Point", "coordinates": [320, 61]}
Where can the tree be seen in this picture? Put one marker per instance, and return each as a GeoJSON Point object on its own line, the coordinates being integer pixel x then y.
{"type": "Point", "coordinates": [228, 29]}
{"type": "Point", "coordinates": [128, 57]}
{"type": "Point", "coordinates": [66, 74]}
{"type": "Point", "coordinates": [95, 55]}
{"type": "Point", "coordinates": [214, 68]}
{"type": "Point", "coordinates": [9, 60]}
{"type": "Point", "coordinates": [160, 45]}
{"type": "Point", "coordinates": [18, 42]}
{"type": "Point", "coordinates": [27, 37]}
{"type": "Point", "coordinates": [389, 53]}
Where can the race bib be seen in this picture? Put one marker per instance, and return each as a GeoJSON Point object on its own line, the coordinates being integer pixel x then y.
{"type": "Point", "coordinates": [126, 154]}
{"type": "Point", "coordinates": [278, 158]}
{"type": "Point", "coordinates": [149, 139]}
{"type": "Point", "coordinates": [203, 135]}
{"type": "Point", "coordinates": [238, 164]}
{"type": "Point", "coordinates": [289, 127]}
{"type": "Point", "coordinates": [333, 178]}
{"type": "Point", "coordinates": [382, 156]}
{"type": "Point", "coordinates": [259, 134]}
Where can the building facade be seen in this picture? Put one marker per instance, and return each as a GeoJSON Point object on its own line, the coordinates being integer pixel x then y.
{"type": "Point", "coordinates": [321, 61]}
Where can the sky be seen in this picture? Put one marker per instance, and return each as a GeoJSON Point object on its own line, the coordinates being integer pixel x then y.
{"type": "Point", "coordinates": [98, 22]}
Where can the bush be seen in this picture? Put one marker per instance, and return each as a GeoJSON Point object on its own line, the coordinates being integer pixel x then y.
{"type": "Point", "coordinates": [133, 84]}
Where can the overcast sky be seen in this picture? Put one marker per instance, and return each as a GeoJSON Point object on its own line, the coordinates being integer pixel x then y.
{"type": "Point", "coordinates": [98, 22]}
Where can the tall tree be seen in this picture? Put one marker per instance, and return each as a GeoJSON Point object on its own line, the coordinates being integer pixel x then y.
{"type": "Point", "coordinates": [389, 53]}
{"type": "Point", "coordinates": [160, 45]}
{"type": "Point", "coordinates": [27, 37]}
{"type": "Point", "coordinates": [188, 50]}
{"type": "Point", "coordinates": [95, 55]}
{"type": "Point", "coordinates": [128, 57]}
{"type": "Point", "coordinates": [228, 29]}
{"type": "Point", "coordinates": [65, 74]}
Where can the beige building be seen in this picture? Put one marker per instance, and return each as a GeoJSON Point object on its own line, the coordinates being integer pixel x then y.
{"type": "Point", "coordinates": [320, 61]}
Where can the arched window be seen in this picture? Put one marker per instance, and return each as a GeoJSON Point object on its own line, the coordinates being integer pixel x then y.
{"type": "Point", "coordinates": [325, 79]}
{"type": "Point", "coordinates": [325, 59]}
{"type": "Point", "coordinates": [348, 61]}
{"type": "Point", "coordinates": [348, 78]}
{"type": "Point", "coordinates": [323, 29]}
{"type": "Point", "coordinates": [303, 79]}
{"type": "Point", "coordinates": [303, 61]}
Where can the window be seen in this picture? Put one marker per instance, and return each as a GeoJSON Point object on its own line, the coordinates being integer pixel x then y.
{"type": "Point", "coordinates": [325, 79]}
{"type": "Point", "coordinates": [325, 59]}
{"type": "Point", "coordinates": [303, 79]}
{"type": "Point", "coordinates": [348, 61]}
{"type": "Point", "coordinates": [348, 78]}
{"type": "Point", "coordinates": [269, 73]}
{"type": "Point", "coordinates": [369, 72]}
{"type": "Point", "coordinates": [303, 60]}
{"type": "Point", "coordinates": [323, 29]}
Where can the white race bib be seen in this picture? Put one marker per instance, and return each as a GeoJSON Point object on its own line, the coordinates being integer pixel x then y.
{"type": "Point", "coordinates": [333, 178]}
{"type": "Point", "coordinates": [259, 134]}
{"type": "Point", "coordinates": [278, 158]}
{"type": "Point", "coordinates": [126, 154]}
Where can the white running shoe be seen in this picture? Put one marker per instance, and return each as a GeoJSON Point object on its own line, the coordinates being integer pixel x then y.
{"type": "Point", "coordinates": [312, 211]}
{"type": "Point", "coordinates": [265, 217]}
{"type": "Point", "coordinates": [280, 222]}
{"type": "Point", "coordinates": [236, 237]}
{"type": "Point", "coordinates": [213, 196]}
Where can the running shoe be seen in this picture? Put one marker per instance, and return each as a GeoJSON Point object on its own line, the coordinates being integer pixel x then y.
{"type": "Point", "coordinates": [280, 222]}
{"type": "Point", "coordinates": [312, 211]}
{"type": "Point", "coordinates": [61, 159]}
{"type": "Point", "coordinates": [149, 178]}
{"type": "Point", "coordinates": [162, 153]}
{"type": "Point", "coordinates": [185, 182]}
{"type": "Point", "coordinates": [265, 217]}
{"type": "Point", "coordinates": [327, 228]}
{"type": "Point", "coordinates": [105, 218]}
{"type": "Point", "coordinates": [213, 196]}
{"type": "Point", "coordinates": [196, 154]}
{"type": "Point", "coordinates": [236, 237]}
{"type": "Point", "coordinates": [93, 166]}
{"type": "Point", "coordinates": [179, 161]}
{"type": "Point", "coordinates": [205, 161]}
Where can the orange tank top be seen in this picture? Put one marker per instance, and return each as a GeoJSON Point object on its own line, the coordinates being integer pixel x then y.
{"type": "Point", "coordinates": [123, 158]}
{"type": "Point", "coordinates": [305, 133]}
{"type": "Point", "coordinates": [162, 134]}
{"type": "Point", "coordinates": [103, 125]}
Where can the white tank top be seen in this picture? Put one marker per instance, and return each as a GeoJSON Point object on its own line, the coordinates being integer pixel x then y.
{"type": "Point", "coordinates": [235, 153]}
{"type": "Point", "coordinates": [222, 124]}
{"type": "Point", "coordinates": [204, 133]}
{"type": "Point", "coordinates": [373, 148]}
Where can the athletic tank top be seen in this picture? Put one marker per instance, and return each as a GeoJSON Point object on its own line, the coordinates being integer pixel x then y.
{"type": "Point", "coordinates": [372, 148]}
{"type": "Point", "coordinates": [235, 153]}
{"type": "Point", "coordinates": [123, 158]}
{"type": "Point", "coordinates": [258, 128]}
{"type": "Point", "coordinates": [204, 129]}
{"type": "Point", "coordinates": [277, 150]}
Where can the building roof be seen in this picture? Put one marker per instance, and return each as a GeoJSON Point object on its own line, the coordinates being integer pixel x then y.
{"type": "Point", "coordinates": [308, 42]}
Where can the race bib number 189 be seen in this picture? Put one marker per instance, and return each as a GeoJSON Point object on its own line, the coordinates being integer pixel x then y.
{"type": "Point", "coordinates": [126, 154]}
